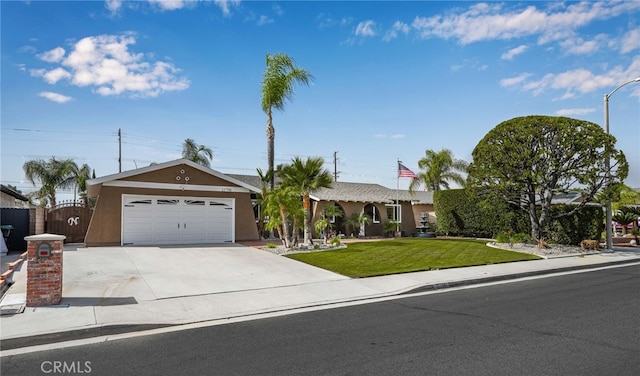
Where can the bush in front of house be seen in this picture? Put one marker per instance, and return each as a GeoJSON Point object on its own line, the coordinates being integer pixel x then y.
{"type": "Point", "coordinates": [461, 213]}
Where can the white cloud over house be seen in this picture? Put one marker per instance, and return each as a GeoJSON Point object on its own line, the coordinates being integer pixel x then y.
{"type": "Point", "coordinates": [106, 64]}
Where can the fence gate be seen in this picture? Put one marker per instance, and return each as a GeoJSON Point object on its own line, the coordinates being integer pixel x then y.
{"type": "Point", "coordinates": [69, 219]}
{"type": "Point", "coordinates": [19, 219]}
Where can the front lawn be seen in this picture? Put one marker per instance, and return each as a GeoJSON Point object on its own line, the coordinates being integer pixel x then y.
{"type": "Point", "coordinates": [367, 259]}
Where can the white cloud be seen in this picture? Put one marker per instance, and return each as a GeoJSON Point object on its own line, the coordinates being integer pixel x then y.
{"type": "Point", "coordinates": [277, 9]}
{"type": "Point", "coordinates": [263, 20]}
{"type": "Point", "coordinates": [172, 4]}
{"type": "Point", "coordinates": [55, 97]}
{"type": "Point", "coordinates": [365, 29]}
{"type": "Point", "coordinates": [226, 5]}
{"type": "Point", "coordinates": [398, 26]}
{"type": "Point", "coordinates": [513, 52]}
{"type": "Point", "coordinates": [105, 63]}
{"type": "Point", "coordinates": [52, 56]}
{"type": "Point", "coordinates": [326, 21]}
{"type": "Point", "coordinates": [631, 41]}
{"type": "Point", "coordinates": [574, 111]}
{"type": "Point", "coordinates": [481, 22]}
{"type": "Point", "coordinates": [113, 6]}
{"type": "Point", "coordinates": [579, 81]}
{"type": "Point", "coordinates": [578, 46]}
{"type": "Point", "coordinates": [506, 82]}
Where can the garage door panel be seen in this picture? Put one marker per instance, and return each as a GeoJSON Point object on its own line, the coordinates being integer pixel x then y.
{"type": "Point", "coordinates": [176, 220]}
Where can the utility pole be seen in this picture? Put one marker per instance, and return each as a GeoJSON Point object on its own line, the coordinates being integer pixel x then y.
{"type": "Point", "coordinates": [119, 150]}
{"type": "Point", "coordinates": [335, 166]}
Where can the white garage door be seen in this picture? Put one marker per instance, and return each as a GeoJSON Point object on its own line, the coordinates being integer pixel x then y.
{"type": "Point", "coordinates": [177, 220]}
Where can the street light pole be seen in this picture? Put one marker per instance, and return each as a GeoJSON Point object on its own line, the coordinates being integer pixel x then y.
{"type": "Point", "coordinates": [609, 245]}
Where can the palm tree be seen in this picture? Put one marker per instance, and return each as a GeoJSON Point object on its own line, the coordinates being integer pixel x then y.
{"type": "Point", "coordinates": [199, 154]}
{"type": "Point", "coordinates": [624, 219]}
{"type": "Point", "coordinates": [283, 203]}
{"type": "Point", "coordinates": [357, 220]}
{"type": "Point", "coordinates": [280, 75]}
{"type": "Point", "coordinates": [81, 175]}
{"type": "Point", "coordinates": [306, 177]}
{"type": "Point", "coordinates": [438, 169]}
{"type": "Point", "coordinates": [265, 179]}
{"type": "Point", "coordinates": [52, 174]}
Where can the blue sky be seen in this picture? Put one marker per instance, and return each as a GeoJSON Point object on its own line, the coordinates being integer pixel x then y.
{"type": "Point", "coordinates": [392, 79]}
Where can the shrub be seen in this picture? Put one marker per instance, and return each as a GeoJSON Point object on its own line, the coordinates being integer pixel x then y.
{"type": "Point", "coordinates": [592, 245]}
{"type": "Point", "coordinates": [521, 238]}
{"type": "Point", "coordinates": [335, 241]}
{"type": "Point", "coordinates": [316, 246]}
{"type": "Point", "coordinates": [271, 245]}
{"type": "Point", "coordinates": [503, 237]}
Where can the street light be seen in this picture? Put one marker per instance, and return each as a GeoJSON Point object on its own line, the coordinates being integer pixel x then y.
{"type": "Point", "coordinates": [607, 162]}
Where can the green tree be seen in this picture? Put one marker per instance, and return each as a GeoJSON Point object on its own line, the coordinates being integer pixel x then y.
{"type": "Point", "coordinates": [624, 219]}
{"type": "Point", "coordinates": [527, 160]}
{"type": "Point", "coordinates": [305, 177]}
{"type": "Point", "coordinates": [279, 77]}
{"type": "Point", "coordinates": [199, 154]}
{"type": "Point", "coordinates": [81, 175]}
{"type": "Point", "coordinates": [53, 174]}
{"type": "Point", "coordinates": [283, 206]}
{"type": "Point", "coordinates": [357, 220]}
{"type": "Point", "coordinates": [438, 169]}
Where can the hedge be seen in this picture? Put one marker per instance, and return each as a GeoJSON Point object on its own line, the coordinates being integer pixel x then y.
{"type": "Point", "coordinates": [461, 213]}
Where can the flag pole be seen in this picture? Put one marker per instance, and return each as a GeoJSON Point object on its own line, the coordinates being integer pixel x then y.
{"type": "Point", "coordinates": [397, 211]}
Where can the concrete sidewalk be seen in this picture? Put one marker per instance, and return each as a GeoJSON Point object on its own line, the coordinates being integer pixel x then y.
{"type": "Point", "coordinates": [114, 289]}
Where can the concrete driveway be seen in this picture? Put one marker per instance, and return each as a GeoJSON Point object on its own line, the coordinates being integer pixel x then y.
{"type": "Point", "coordinates": [119, 275]}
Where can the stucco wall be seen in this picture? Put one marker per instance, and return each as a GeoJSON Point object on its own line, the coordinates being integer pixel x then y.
{"type": "Point", "coordinates": [105, 225]}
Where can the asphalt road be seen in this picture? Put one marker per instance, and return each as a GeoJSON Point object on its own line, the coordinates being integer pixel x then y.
{"type": "Point", "coordinates": [579, 324]}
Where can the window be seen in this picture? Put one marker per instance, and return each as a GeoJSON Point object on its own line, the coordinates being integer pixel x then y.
{"type": "Point", "coordinates": [168, 202]}
{"type": "Point", "coordinates": [372, 212]}
{"type": "Point", "coordinates": [394, 212]}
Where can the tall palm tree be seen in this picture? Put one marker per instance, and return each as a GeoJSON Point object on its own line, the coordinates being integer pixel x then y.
{"type": "Point", "coordinates": [265, 180]}
{"type": "Point", "coordinates": [199, 154]}
{"type": "Point", "coordinates": [280, 75]}
{"type": "Point", "coordinates": [438, 168]}
{"type": "Point", "coordinates": [306, 177]}
{"type": "Point", "coordinates": [52, 174]}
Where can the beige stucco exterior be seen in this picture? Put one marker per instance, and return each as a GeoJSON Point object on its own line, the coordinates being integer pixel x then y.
{"type": "Point", "coordinates": [182, 179]}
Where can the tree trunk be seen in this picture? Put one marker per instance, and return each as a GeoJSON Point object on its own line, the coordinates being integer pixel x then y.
{"type": "Point", "coordinates": [306, 204]}
{"type": "Point", "coordinates": [285, 227]}
{"type": "Point", "coordinates": [271, 135]}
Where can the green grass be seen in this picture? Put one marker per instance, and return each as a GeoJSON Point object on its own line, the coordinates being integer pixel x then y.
{"type": "Point", "coordinates": [367, 259]}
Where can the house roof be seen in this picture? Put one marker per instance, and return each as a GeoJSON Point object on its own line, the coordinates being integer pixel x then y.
{"type": "Point", "coordinates": [93, 185]}
{"type": "Point", "coordinates": [354, 192]}
{"type": "Point", "coordinates": [12, 193]}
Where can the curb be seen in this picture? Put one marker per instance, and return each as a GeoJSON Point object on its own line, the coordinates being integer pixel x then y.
{"type": "Point", "coordinates": [476, 281]}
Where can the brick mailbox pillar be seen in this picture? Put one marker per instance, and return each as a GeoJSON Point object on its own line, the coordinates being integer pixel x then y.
{"type": "Point", "coordinates": [44, 269]}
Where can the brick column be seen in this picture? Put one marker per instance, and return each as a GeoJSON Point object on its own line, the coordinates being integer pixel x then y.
{"type": "Point", "coordinates": [44, 272]}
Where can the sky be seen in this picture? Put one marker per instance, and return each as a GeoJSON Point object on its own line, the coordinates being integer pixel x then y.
{"type": "Point", "coordinates": [391, 79]}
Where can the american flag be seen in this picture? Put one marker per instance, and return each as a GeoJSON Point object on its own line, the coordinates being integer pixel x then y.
{"type": "Point", "coordinates": [404, 172]}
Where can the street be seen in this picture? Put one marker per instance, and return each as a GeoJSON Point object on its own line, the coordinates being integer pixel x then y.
{"type": "Point", "coordinates": [578, 324]}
